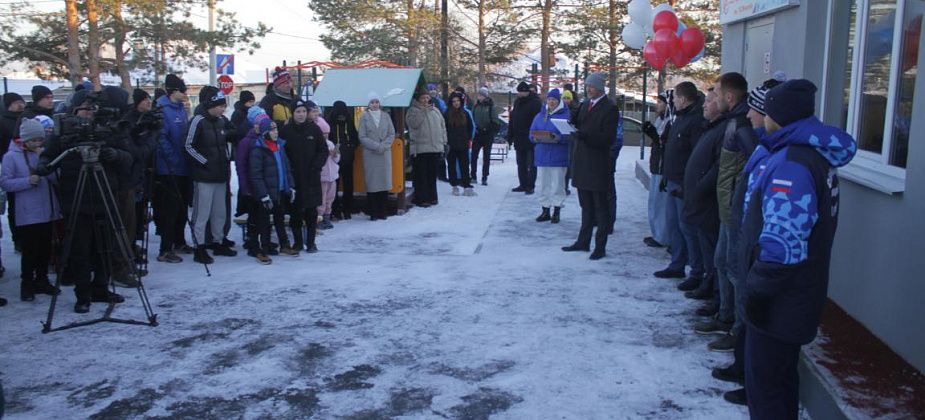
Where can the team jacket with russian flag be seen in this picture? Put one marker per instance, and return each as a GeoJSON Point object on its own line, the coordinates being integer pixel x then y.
{"type": "Point", "coordinates": [790, 217]}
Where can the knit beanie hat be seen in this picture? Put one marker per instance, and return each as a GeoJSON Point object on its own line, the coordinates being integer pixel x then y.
{"type": "Point", "coordinates": [211, 97]}
{"type": "Point", "coordinates": [246, 96]}
{"type": "Point", "coordinates": [756, 97]}
{"type": "Point", "coordinates": [567, 95]}
{"type": "Point", "coordinates": [173, 83]}
{"type": "Point", "coordinates": [31, 129]}
{"type": "Point", "coordinates": [252, 114]}
{"type": "Point", "coordinates": [791, 101]}
{"type": "Point", "coordinates": [373, 96]}
{"type": "Point", "coordinates": [595, 80]}
{"type": "Point", "coordinates": [47, 122]}
{"type": "Point", "coordinates": [523, 87]}
{"type": "Point", "coordinates": [484, 91]}
{"type": "Point", "coordinates": [298, 103]}
{"type": "Point", "coordinates": [554, 94]}
{"type": "Point", "coordinates": [39, 92]}
{"type": "Point", "coordinates": [264, 124]}
{"type": "Point", "coordinates": [280, 76]}
{"type": "Point", "coordinates": [138, 96]}
{"type": "Point", "coordinates": [10, 97]}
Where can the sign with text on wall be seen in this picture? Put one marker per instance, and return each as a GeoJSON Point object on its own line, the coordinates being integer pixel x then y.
{"type": "Point", "coordinates": [731, 11]}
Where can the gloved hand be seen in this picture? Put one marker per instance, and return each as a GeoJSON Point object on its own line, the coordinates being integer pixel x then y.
{"type": "Point", "coordinates": [108, 154]}
{"type": "Point", "coordinates": [757, 310]}
{"type": "Point", "coordinates": [663, 185]}
{"type": "Point", "coordinates": [679, 193]}
{"type": "Point", "coordinates": [267, 203]}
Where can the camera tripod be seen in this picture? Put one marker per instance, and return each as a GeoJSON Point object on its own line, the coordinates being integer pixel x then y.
{"type": "Point", "coordinates": [92, 175]}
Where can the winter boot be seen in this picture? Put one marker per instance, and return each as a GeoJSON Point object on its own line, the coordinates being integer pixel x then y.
{"type": "Point", "coordinates": [44, 287]}
{"type": "Point", "coordinates": [555, 214]}
{"type": "Point", "coordinates": [289, 252]}
{"type": "Point", "coordinates": [311, 248]}
{"type": "Point", "coordinates": [26, 292]}
{"type": "Point", "coordinates": [598, 253]}
{"type": "Point", "coordinates": [202, 256]}
{"type": "Point", "coordinates": [485, 180]}
{"type": "Point", "coordinates": [3, 301]}
{"type": "Point", "coordinates": [544, 216]}
{"type": "Point", "coordinates": [183, 249]}
{"type": "Point", "coordinates": [263, 258]}
{"type": "Point", "coordinates": [224, 250]}
{"type": "Point", "coordinates": [469, 192]}
{"type": "Point", "coordinates": [169, 257]}
{"type": "Point", "coordinates": [455, 190]}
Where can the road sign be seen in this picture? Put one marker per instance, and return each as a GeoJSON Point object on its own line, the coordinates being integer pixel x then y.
{"type": "Point", "coordinates": [225, 84]}
{"type": "Point", "coordinates": [225, 63]}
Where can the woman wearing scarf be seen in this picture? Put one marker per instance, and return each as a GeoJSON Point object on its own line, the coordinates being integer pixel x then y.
{"type": "Point", "coordinates": [551, 155]}
{"type": "Point", "coordinates": [376, 135]}
{"type": "Point", "coordinates": [307, 150]}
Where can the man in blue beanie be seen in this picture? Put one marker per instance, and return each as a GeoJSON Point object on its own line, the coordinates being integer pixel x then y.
{"type": "Point", "coordinates": [791, 212]}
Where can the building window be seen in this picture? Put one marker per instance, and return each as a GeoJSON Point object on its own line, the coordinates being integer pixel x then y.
{"type": "Point", "coordinates": [883, 50]}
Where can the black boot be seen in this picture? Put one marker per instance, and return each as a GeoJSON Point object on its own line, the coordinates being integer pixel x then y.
{"type": "Point", "coordinates": [202, 256]}
{"type": "Point", "coordinates": [26, 292]}
{"type": "Point", "coordinates": [555, 214]}
{"type": "Point", "coordinates": [43, 286]}
{"type": "Point", "coordinates": [544, 216]}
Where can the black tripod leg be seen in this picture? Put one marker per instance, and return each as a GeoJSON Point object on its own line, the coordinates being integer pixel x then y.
{"type": "Point", "coordinates": [69, 229]}
{"type": "Point", "coordinates": [118, 229]}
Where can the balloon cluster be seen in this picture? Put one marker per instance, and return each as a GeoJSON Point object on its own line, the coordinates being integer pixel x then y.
{"type": "Point", "coordinates": [671, 40]}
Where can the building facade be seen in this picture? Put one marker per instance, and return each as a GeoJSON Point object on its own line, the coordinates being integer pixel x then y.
{"type": "Point", "coordinates": [864, 56]}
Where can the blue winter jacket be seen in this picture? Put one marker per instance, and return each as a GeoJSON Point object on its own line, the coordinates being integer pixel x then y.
{"type": "Point", "coordinates": [550, 154]}
{"type": "Point", "coordinates": [171, 152]}
{"type": "Point", "coordinates": [791, 213]}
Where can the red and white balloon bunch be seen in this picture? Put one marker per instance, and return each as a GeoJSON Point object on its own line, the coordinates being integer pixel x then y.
{"type": "Point", "coordinates": [671, 40]}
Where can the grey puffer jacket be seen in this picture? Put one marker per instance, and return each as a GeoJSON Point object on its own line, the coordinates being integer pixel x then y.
{"type": "Point", "coordinates": [426, 128]}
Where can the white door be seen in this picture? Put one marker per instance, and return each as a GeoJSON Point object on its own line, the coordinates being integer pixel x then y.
{"type": "Point", "coordinates": [759, 41]}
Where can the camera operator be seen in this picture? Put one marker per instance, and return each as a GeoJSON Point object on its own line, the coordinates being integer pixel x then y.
{"type": "Point", "coordinates": [143, 124]}
{"type": "Point", "coordinates": [90, 121]}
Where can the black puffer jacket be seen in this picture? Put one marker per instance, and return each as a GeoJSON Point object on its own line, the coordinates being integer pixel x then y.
{"type": "Point", "coordinates": [684, 133]}
{"type": "Point", "coordinates": [458, 136]}
{"type": "Point", "coordinates": [307, 151]}
{"type": "Point", "coordinates": [143, 136]}
{"type": "Point", "coordinates": [700, 206]}
{"type": "Point", "coordinates": [207, 144]}
{"type": "Point", "coordinates": [525, 109]}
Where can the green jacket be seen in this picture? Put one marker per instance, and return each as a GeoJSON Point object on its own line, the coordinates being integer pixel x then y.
{"type": "Point", "coordinates": [486, 116]}
{"type": "Point", "coordinates": [739, 142]}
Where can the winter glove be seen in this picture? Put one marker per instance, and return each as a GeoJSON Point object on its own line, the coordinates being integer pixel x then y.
{"type": "Point", "coordinates": [757, 310]}
{"type": "Point", "coordinates": [108, 154]}
{"type": "Point", "coordinates": [267, 203]}
{"type": "Point", "coordinates": [679, 193]}
{"type": "Point", "coordinates": [663, 185]}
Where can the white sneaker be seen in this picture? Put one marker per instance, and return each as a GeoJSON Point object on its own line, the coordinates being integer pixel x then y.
{"type": "Point", "coordinates": [469, 192]}
{"type": "Point", "coordinates": [455, 190]}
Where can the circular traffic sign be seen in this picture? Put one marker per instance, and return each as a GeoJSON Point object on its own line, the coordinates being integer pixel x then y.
{"type": "Point", "coordinates": [225, 84]}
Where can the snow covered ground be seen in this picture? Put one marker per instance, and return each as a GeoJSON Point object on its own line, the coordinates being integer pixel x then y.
{"type": "Point", "coordinates": [464, 310]}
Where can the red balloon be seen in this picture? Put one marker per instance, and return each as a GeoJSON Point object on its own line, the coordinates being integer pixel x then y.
{"type": "Point", "coordinates": [692, 41]}
{"type": "Point", "coordinates": [665, 20]}
{"type": "Point", "coordinates": [666, 42]}
{"type": "Point", "coordinates": [679, 58]}
{"type": "Point", "coordinates": [652, 57]}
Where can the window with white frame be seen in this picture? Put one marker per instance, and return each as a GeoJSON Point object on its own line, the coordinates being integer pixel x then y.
{"type": "Point", "coordinates": [881, 65]}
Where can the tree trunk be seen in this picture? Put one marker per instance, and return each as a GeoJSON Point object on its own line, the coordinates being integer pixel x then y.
{"type": "Point", "coordinates": [412, 36]}
{"type": "Point", "coordinates": [444, 35]}
{"type": "Point", "coordinates": [612, 43]}
{"type": "Point", "coordinates": [544, 47]}
{"type": "Point", "coordinates": [481, 44]}
{"type": "Point", "coordinates": [93, 43]}
{"type": "Point", "coordinates": [73, 47]}
{"type": "Point", "coordinates": [119, 45]}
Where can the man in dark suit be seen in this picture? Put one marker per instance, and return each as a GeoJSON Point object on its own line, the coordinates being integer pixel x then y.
{"type": "Point", "coordinates": [596, 122]}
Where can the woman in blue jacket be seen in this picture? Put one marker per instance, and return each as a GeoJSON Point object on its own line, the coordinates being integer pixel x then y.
{"type": "Point", "coordinates": [551, 155]}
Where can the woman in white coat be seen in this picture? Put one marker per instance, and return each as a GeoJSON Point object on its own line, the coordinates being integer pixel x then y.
{"type": "Point", "coordinates": [376, 134]}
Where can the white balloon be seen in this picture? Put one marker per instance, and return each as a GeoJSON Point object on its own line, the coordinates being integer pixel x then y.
{"type": "Point", "coordinates": [634, 36]}
{"type": "Point", "coordinates": [640, 11]}
{"type": "Point", "coordinates": [661, 8]}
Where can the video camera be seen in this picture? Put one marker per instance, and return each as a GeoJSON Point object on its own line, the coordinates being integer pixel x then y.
{"type": "Point", "coordinates": [72, 128]}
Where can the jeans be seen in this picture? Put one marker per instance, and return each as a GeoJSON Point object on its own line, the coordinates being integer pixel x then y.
{"type": "Point", "coordinates": [684, 238]}
{"type": "Point", "coordinates": [457, 161]}
{"type": "Point", "coordinates": [708, 240]}
{"type": "Point", "coordinates": [658, 206]}
{"type": "Point", "coordinates": [725, 277]}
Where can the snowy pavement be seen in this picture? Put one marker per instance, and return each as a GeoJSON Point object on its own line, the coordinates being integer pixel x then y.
{"type": "Point", "coordinates": [464, 310]}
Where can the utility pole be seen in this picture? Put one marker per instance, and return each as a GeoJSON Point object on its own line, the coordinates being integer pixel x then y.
{"type": "Point", "coordinates": [444, 40]}
{"type": "Point", "coordinates": [212, 63]}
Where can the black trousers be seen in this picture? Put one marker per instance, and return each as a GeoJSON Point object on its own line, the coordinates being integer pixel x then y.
{"type": "Point", "coordinates": [278, 214]}
{"type": "Point", "coordinates": [526, 169]}
{"type": "Point", "coordinates": [303, 217]}
{"type": "Point", "coordinates": [424, 166]}
{"type": "Point", "coordinates": [92, 251]}
{"type": "Point", "coordinates": [442, 170]}
{"type": "Point", "coordinates": [173, 195]}
{"type": "Point", "coordinates": [481, 145]}
{"type": "Point", "coordinates": [344, 203]}
{"type": "Point", "coordinates": [771, 379]}
{"type": "Point", "coordinates": [377, 204]}
{"type": "Point", "coordinates": [11, 216]}
{"type": "Point", "coordinates": [457, 161]}
{"type": "Point", "coordinates": [35, 241]}
{"type": "Point", "coordinates": [594, 212]}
